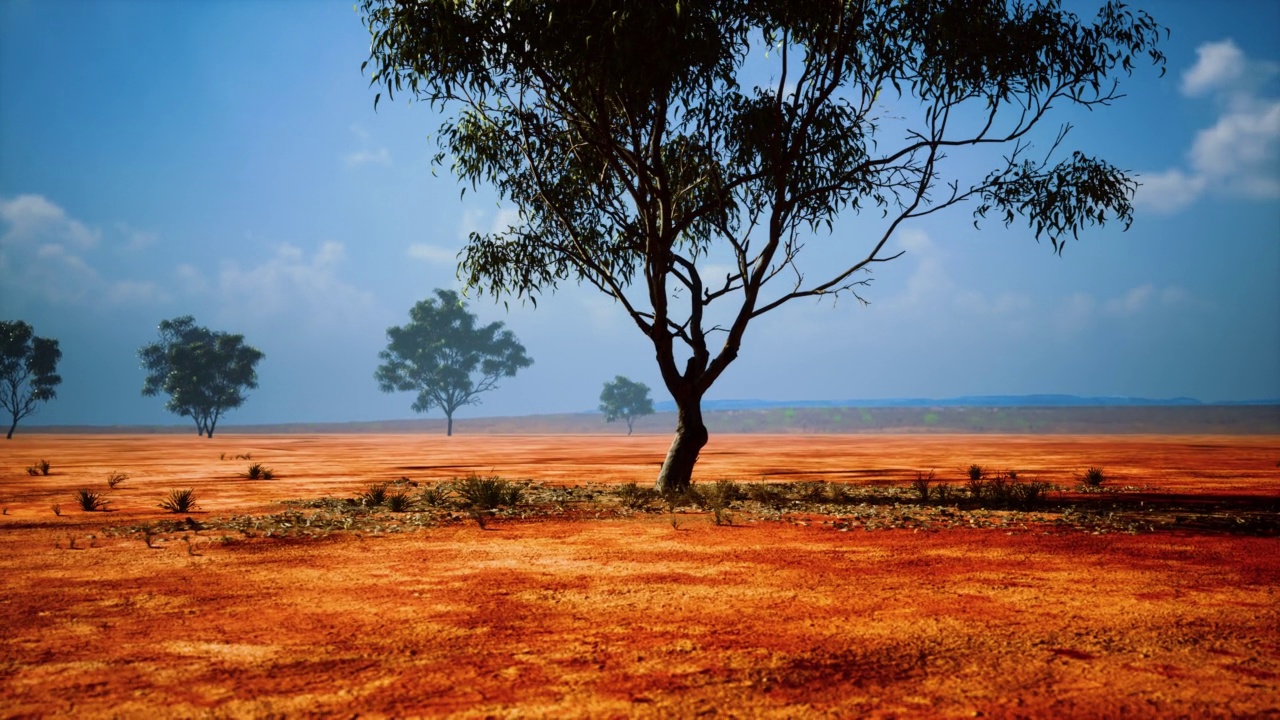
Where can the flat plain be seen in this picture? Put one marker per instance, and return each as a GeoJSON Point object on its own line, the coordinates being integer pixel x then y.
{"type": "Point", "coordinates": [845, 595]}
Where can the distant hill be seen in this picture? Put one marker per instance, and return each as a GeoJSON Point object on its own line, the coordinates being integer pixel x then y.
{"type": "Point", "coordinates": [965, 401]}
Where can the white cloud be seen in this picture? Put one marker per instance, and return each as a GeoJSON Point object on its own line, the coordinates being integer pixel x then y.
{"type": "Point", "coordinates": [295, 287]}
{"type": "Point", "coordinates": [1168, 191]}
{"type": "Point", "coordinates": [1131, 303]}
{"type": "Point", "coordinates": [33, 218]}
{"type": "Point", "coordinates": [131, 292]}
{"type": "Point", "coordinates": [1237, 155]}
{"type": "Point", "coordinates": [433, 254]}
{"type": "Point", "coordinates": [1217, 64]}
{"type": "Point", "coordinates": [484, 222]}
{"type": "Point", "coordinates": [1241, 150]}
{"type": "Point", "coordinates": [368, 157]}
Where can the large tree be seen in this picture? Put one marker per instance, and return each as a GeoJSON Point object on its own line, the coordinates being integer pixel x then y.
{"type": "Point", "coordinates": [204, 372]}
{"type": "Point", "coordinates": [28, 370]}
{"type": "Point", "coordinates": [444, 357]}
{"type": "Point", "coordinates": [625, 399]}
{"type": "Point", "coordinates": [645, 142]}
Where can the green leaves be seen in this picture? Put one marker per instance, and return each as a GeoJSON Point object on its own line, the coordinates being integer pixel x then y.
{"type": "Point", "coordinates": [28, 370]}
{"type": "Point", "coordinates": [204, 373]}
{"type": "Point", "coordinates": [625, 399]}
{"type": "Point", "coordinates": [444, 357]}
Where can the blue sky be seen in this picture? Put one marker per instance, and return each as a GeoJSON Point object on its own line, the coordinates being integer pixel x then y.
{"type": "Point", "coordinates": [224, 160]}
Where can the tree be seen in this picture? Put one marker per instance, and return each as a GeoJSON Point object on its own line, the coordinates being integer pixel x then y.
{"type": "Point", "coordinates": [625, 399]}
{"type": "Point", "coordinates": [646, 142]}
{"type": "Point", "coordinates": [204, 373]}
{"type": "Point", "coordinates": [28, 370]}
{"type": "Point", "coordinates": [445, 358]}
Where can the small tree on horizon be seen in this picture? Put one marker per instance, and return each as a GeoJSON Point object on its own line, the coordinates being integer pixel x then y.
{"type": "Point", "coordinates": [439, 353]}
{"type": "Point", "coordinates": [28, 370]}
{"type": "Point", "coordinates": [204, 373]}
{"type": "Point", "coordinates": [625, 399]}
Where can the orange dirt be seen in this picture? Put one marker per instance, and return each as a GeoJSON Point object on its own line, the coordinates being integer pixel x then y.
{"type": "Point", "coordinates": [627, 615]}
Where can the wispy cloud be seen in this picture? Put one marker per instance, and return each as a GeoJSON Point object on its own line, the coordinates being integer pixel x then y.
{"type": "Point", "coordinates": [33, 218]}
{"type": "Point", "coordinates": [1238, 154]}
{"type": "Point", "coordinates": [45, 257]}
{"type": "Point", "coordinates": [366, 154]}
{"type": "Point", "coordinates": [293, 286]}
{"type": "Point", "coordinates": [368, 157]}
{"type": "Point", "coordinates": [433, 254]}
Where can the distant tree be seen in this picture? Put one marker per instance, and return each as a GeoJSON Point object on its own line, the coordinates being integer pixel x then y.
{"type": "Point", "coordinates": [28, 370]}
{"type": "Point", "coordinates": [625, 399]}
{"type": "Point", "coordinates": [680, 156]}
{"type": "Point", "coordinates": [204, 373]}
{"type": "Point", "coordinates": [445, 358]}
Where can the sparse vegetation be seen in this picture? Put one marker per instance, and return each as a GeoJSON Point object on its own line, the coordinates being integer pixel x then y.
{"type": "Point", "coordinates": [486, 493]}
{"type": "Point", "coordinates": [179, 501]}
{"type": "Point", "coordinates": [1093, 478]}
{"type": "Point", "coordinates": [399, 501]}
{"type": "Point", "coordinates": [57, 509]}
{"type": "Point", "coordinates": [434, 496]}
{"type": "Point", "coordinates": [634, 497]}
{"type": "Point", "coordinates": [374, 496]}
{"type": "Point", "coordinates": [41, 467]}
{"type": "Point", "coordinates": [921, 485]}
{"type": "Point", "coordinates": [258, 471]}
{"type": "Point", "coordinates": [115, 478]}
{"type": "Point", "coordinates": [90, 500]}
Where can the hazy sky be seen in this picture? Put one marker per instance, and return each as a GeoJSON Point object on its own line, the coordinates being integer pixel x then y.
{"type": "Point", "coordinates": [224, 160]}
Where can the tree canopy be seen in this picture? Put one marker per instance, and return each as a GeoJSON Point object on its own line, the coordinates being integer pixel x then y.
{"type": "Point", "coordinates": [446, 358]}
{"type": "Point", "coordinates": [678, 156]}
{"type": "Point", "coordinates": [625, 399]}
{"type": "Point", "coordinates": [204, 373]}
{"type": "Point", "coordinates": [28, 370]}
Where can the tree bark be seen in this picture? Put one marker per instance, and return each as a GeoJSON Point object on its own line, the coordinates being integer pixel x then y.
{"type": "Point", "coordinates": [449, 426]}
{"type": "Point", "coordinates": [11, 429]}
{"type": "Point", "coordinates": [691, 435]}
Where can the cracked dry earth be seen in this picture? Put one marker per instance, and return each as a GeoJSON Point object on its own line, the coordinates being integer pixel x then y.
{"type": "Point", "coordinates": [626, 615]}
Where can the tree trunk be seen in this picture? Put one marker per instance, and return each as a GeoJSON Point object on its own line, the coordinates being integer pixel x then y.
{"type": "Point", "coordinates": [449, 427]}
{"type": "Point", "coordinates": [629, 421]}
{"type": "Point", "coordinates": [691, 435]}
{"type": "Point", "coordinates": [11, 428]}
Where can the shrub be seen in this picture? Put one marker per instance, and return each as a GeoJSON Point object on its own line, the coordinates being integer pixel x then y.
{"type": "Point", "coordinates": [1093, 477]}
{"type": "Point", "coordinates": [258, 471]}
{"type": "Point", "coordinates": [977, 484]}
{"type": "Point", "coordinates": [921, 485]}
{"type": "Point", "coordinates": [487, 493]}
{"type": "Point", "coordinates": [399, 501]}
{"type": "Point", "coordinates": [942, 493]}
{"type": "Point", "coordinates": [40, 468]}
{"type": "Point", "coordinates": [90, 501]}
{"type": "Point", "coordinates": [180, 501]}
{"type": "Point", "coordinates": [1030, 494]}
{"type": "Point", "coordinates": [767, 494]}
{"type": "Point", "coordinates": [634, 497]}
{"type": "Point", "coordinates": [722, 493]}
{"type": "Point", "coordinates": [434, 496]}
{"type": "Point", "coordinates": [837, 493]}
{"type": "Point", "coordinates": [57, 509]}
{"type": "Point", "coordinates": [115, 479]}
{"type": "Point", "coordinates": [374, 496]}
{"type": "Point", "coordinates": [813, 492]}
{"type": "Point", "coordinates": [999, 489]}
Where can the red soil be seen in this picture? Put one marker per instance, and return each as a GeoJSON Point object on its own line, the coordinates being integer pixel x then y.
{"type": "Point", "coordinates": [628, 616]}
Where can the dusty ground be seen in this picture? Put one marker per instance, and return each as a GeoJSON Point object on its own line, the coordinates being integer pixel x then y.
{"type": "Point", "coordinates": [631, 614]}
